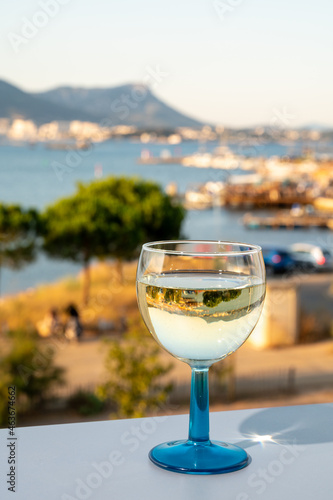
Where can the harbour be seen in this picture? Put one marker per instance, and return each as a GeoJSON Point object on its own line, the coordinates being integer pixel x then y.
{"type": "Point", "coordinates": [287, 220]}
{"type": "Point", "coordinates": [31, 181]}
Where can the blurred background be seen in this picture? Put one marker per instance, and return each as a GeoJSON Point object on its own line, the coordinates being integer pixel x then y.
{"type": "Point", "coordinates": [126, 123]}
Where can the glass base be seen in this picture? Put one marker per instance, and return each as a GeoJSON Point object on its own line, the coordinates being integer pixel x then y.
{"type": "Point", "coordinates": [208, 457]}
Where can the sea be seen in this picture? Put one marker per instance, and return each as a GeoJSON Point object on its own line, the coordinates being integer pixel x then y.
{"type": "Point", "coordinates": [34, 176]}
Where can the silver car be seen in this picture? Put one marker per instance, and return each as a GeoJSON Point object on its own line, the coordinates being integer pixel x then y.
{"type": "Point", "coordinates": [312, 257]}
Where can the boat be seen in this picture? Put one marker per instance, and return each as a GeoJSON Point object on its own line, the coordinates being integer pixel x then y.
{"type": "Point", "coordinates": [68, 146]}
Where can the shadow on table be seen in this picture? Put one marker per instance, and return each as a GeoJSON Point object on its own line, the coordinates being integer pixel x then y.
{"type": "Point", "coordinates": [289, 425]}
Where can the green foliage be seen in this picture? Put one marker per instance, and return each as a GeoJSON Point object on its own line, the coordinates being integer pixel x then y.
{"type": "Point", "coordinates": [152, 291]}
{"type": "Point", "coordinates": [215, 297]}
{"type": "Point", "coordinates": [29, 367]}
{"type": "Point", "coordinates": [134, 372]}
{"type": "Point", "coordinates": [18, 231]}
{"type": "Point", "coordinates": [172, 295]}
{"type": "Point", "coordinates": [86, 403]}
{"type": "Point", "coordinates": [109, 218]}
{"type": "Point", "coordinates": [112, 217]}
{"type": "Point", "coordinates": [160, 217]}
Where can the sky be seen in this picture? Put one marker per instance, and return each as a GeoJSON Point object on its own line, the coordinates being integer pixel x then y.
{"type": "Point", "coordinates": [230, 62]}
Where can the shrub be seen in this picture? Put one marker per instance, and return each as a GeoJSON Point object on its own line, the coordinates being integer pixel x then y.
{"type": "Point", "coordinates": [134, 374]}
{"type": "Point", "coordinates": [29, 366]}
{"type": "Point", "coordinates": [86, 403]}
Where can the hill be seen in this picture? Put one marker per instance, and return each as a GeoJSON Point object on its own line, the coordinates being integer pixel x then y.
{"type": "Point", "coordinates": [15, 103]}
{"type": "Point", "coordinates": [126, 104]}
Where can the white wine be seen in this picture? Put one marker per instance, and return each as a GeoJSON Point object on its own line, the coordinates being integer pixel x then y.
{"type": "Point", "coordinates": [200, 315]}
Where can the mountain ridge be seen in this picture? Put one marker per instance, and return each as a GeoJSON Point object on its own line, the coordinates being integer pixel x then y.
{"type": "Point", "coordinates": [128, 104]}
{"type": "Point", "coordinates": [15, 103]}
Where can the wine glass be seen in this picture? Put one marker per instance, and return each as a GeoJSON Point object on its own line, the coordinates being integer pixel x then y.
{"type": "Point", "coordinates": [200, 300]}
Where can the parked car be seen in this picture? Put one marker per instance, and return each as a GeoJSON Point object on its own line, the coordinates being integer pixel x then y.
{"type": "Point", "coordinates": [278, 260]}
{"type": "Point", "coordinates": [311, 257]}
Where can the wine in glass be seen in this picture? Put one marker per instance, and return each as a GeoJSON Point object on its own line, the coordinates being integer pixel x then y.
{"type": "Point", "coordinates": [200, 300]}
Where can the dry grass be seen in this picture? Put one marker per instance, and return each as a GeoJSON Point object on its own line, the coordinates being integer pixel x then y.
{"type": "Point", "coordinates": [110, 300]}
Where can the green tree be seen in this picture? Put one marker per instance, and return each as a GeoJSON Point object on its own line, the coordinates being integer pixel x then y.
{"type": "Point", "coordinates": [134, 374]}
{"type": "Point", "coordinates": [109, 218]}
{"type": "Point", "coordinates": [214, 298]}
{"type": "Point", "coordinates": [28, 365]}
{"type": "Point", "coordinates": [18, 231]}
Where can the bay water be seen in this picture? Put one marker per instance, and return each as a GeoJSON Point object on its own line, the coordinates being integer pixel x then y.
{"type": "Point", "coordinates": [37, 176]}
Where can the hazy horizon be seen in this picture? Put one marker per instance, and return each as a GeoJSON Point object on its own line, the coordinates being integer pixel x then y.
{"type": "Point", "coordinates": [313, 125]}
{"type": "Point", "coordinates": [237, 63]}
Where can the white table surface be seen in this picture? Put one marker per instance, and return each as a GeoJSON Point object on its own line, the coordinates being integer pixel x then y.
{"type": "Point", "coordinates": [108, 460]}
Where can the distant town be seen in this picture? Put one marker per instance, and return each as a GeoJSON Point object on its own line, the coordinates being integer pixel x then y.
{"type": "Point", "coordinates": [78, 133]}
{"type": "Point", "coordinates": [73, 117]}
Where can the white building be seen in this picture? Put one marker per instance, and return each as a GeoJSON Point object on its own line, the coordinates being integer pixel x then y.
{"type": "Point", "coordinates": [22, 130]}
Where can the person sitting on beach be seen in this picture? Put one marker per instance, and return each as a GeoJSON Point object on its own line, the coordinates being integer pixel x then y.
{"type": "Point", "coordinates": [73, 329]}
{"type": "Point", "coordinates": [50, 325]}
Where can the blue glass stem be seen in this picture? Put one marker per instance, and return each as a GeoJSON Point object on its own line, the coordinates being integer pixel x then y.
{"type": "Point", "coordinates": [199, 407]}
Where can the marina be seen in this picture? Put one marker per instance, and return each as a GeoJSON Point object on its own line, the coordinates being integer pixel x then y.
{"type": "Point", "coordinates": [250, 182]}
{"type": "Point", "coordinates": [287, 220]}
{"type": "Point", "coordinates": [202, 190]}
